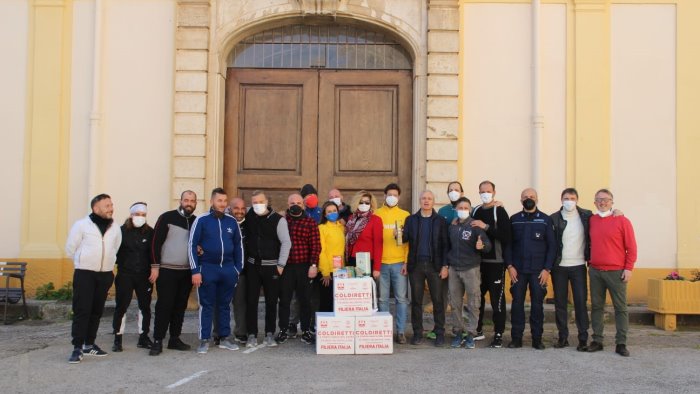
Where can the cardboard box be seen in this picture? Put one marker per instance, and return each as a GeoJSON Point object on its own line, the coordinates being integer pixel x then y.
{"type": "Point", "coordinates": [374, 334]}
{"type": "Point", "coordinates": [353, 296]}
{"type": "Point", "coordinates": [334, 334]}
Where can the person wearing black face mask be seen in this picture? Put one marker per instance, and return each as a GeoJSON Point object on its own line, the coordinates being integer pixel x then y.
{"type": "Point", "coordinates": [529, 259]}
{"type": "Point", "coordinates": [301, 268]}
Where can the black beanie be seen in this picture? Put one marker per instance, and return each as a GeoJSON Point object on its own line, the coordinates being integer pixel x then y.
{"type": "Point", "coordinates": [307, 189]}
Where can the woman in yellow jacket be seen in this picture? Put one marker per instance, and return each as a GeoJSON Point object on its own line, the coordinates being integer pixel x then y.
{"type": "Point", "coordinates": [332, 246]}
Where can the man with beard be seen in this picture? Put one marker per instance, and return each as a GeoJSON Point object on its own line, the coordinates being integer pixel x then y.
{"type": "Point", "coordinates": [93, 243]}
{"type": "Point", "coordinates": [170, 271]}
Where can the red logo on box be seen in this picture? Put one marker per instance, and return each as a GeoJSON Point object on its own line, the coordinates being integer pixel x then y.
{"type": "Point", "coordinates": [361, 323]}
{"type": "Point", "coordinates": [324, 324]}
{"type": "Point", "coordinates": [341, 286]}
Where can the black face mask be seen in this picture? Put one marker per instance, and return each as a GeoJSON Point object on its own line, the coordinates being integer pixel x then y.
{"type": "Point", "coordinates": [295, 210]}
{"type": "Point", "coordinates": [529, 204]}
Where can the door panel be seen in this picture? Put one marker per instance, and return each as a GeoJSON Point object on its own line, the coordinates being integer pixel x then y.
{"type": "Point", "coordinates": [366, 117]}
{"type": "Point", "coordinates": [270, 137]}
{"type": "Point", "coordinates": [346, 129]}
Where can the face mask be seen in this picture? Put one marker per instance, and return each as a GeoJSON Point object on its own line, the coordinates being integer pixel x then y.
{"type": "Point", "coordinates": [295, 210]}
{"type": "Point", "coordinates": [332, 217]}
{"type": "Point", "coordinates": [259, 209]}
{"type": "Point", "coordinates": [569, 206]}
{"type": "Point", "coordinates": [462, 214]}
{"type": "Point", "coordinates": [363, 207]}
{"type": "Point", "coordinates": [391, 201]}
{"type": "Point", "coordinates": [486, 198]}
{"type": "Point", "coordinates": [529, 204]}
{"type": "Point", "coordinates": [138, 221]}
{"type": "Point", "coordinates": [605, 213]}
{"type": "Point", "coordinates": [337, 201]}
{"type": "Point", "coordinates": [311, 201]}
{"type": "Point", "coordinates": [454, 195]}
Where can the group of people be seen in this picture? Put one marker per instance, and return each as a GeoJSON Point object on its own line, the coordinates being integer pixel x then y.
{"type": "Point", "coordinates": [231, 252]}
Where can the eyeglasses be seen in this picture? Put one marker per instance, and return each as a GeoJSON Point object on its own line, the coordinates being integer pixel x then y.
{"type": "Point", "coordinates": [603, 200]}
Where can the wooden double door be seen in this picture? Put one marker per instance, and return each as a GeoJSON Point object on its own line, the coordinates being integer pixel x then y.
{"type": "Point", "coordinates": [350, 130]}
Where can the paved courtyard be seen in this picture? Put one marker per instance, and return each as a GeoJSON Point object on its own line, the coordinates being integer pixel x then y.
{"type": "Point", "coordinates": [33, 358]}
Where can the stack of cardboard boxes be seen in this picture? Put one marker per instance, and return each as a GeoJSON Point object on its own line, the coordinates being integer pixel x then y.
{"type": "Point", "coordinates": [354, 327]}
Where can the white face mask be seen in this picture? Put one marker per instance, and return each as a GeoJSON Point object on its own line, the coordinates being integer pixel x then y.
{"type": "Point", "coordinates": [486, 198]}
{"type": "Point", "coordinates": [391, 201]}
{"type": "Point", "coordinates": [605, 214]}
{"type": "Point", "coordinates": [138, 221]}
{"type": "Point", "coordinates": [337, 201]}
{"type": "Point", "coordinates": [454, 195]}
{"type": "Point", "coordinates": [260, 209]}
{"type": "Point", "coordinates": [462, 214]}
{"type": "Point", "coordinates": [363, 207]}
{"type": "Point", "coordinates": [569, 206]}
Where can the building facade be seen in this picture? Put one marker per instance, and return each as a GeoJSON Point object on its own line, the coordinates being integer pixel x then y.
{"type": "Point", "coordinates": [142, 99]}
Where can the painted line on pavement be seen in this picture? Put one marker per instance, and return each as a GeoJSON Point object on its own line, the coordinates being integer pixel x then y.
{"type": "Point", "coordinates": [187, 379]}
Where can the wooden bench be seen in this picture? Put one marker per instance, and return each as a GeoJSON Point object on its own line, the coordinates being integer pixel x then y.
{"type": "Point", "coordinates": [8, 293]}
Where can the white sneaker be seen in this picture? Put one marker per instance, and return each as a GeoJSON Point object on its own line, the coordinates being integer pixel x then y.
{"type": "Point", "coordinates": [203, 347]}
{"type": "Point", "coordinates": [226, 344]}
{"type": "Point", "coordinates": [269, 340]}
{"type": "Point", "coordinates": [252, 341]}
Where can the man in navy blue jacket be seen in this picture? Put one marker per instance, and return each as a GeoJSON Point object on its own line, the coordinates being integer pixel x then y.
{"type": "Point", "coordinates": [215, 271]}
{"type": "Point", "coordinates": [529, 259]}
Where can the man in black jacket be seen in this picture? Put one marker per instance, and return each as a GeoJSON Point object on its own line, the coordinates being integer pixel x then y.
{"type": "Point", "coordinates": [134, 268]}
{"type": "Point", "coordinates": [170, 271]}
{"type": "Point", "coordinates": [573, 251]}
{"type": "Point", "coordinates": [426, 233]}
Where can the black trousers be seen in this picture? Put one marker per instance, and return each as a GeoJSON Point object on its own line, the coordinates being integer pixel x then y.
{"type": "Point", "coordinates": [126, 285]}
{"type": "Point", "coordinates": [89, 294]}
{"type": "Point", "coordinates": [295, 279]}
{"type": "Point", "coordinates": [561, 277]}
{"type": "Point", "coordinates": [264, 276]}
{"type": "Point", "coordinates": [173, 288]}
{"type": "Point", "coordinates": [421, 272]}
{"type": "Point", "coordinates": [493, 281]}
{"type": "Point", "coordinates": [325, 297]}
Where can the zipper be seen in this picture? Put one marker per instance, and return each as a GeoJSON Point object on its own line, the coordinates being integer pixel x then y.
{"type": "Point", "coordinates": [221, 238]}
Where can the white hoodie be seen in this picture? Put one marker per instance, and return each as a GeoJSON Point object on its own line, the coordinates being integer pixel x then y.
{"type": "Point", "coordinates": [91, 250]}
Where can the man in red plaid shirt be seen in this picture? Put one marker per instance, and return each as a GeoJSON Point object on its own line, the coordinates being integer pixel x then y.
{"type": "Point", "coordinates": [301, 268]}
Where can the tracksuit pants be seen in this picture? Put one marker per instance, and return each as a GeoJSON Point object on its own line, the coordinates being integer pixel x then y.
{"type": "Point", "coordinates": [493, 282]}
{"type": "Point", "coordinates": [239, 308]}
{"type": "Point", "coordinates": [295, 279]}
{"type": "Point", "coordinates": [125, 285]}
{"type": "Point", "coordinates": [218, 284]}
{"type": "Point", "coordinates": [517, 309]}
{"type": "Point", "coordinates": [264, 276]}
{"type": "Point", "coordinates": [89, 294]}
{"type": "Point", "coordinates": [173, 287]}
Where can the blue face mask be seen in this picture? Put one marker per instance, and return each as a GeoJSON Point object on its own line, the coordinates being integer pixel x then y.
{"type": "Point", "coordinates": [333, 216]}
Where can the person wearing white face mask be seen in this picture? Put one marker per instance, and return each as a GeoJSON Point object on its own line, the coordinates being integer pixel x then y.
{"type": "Point", "coordinates": [393, 268]}
{"type": "Point", "coordinates": [134, 268]}
{"type": "Point", "coordinates": [466, 244]}
{"type": "Point", "coordinates": [454, 192]}
{"type": "Point", "coordinates": [573, 251]}
{"type": "Point", "coordinates": [364, 232]}
{"type": "Point", "coordinates": [494, 220]}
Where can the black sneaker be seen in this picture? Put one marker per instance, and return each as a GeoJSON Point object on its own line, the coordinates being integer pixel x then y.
{"type": "Point", "coordinates": [177, 344]}
{"type": "Point", "coordinates": [561, 343]}
{"type": "Point", "coordinates": [497, 341]}
{"type": "Point", "coordinates": [479, 336]}
{"type": "Point", "coordinates": [292, 331]}
{"type": "Point", "coordinates": [94, 350]}
{"type": "Point", "coordinates": [515, 343]}
{"type": "Point", "coordinates": [582, 346]}
{"type": "Point", "coordinates": [242, 339]}
{"type": "Point", "coordinates": [622, 350]}
{"type": "Point", "coordinates": [76, 356]}
{"type": "Point", "coordinates": [216, 340]}
{"type": "Point", "coordinates": [417, 339]}
{"type": "Point", "coordinates": [282, 337]}
{"type": "Point", "coordinates": [537, 344]}
{"type": "Point", "coordinates": [144, 342]}
{"type": "Point", "coordinates": [307, 337]}
{"type": "Point", "coordinates": [117, 347]}
{"type": "Point", "coordinates": [595, 347]}
{"type": "Point", "coordinates": [439, 339]}
{"type": "Point", "coordinates": [156, 348]}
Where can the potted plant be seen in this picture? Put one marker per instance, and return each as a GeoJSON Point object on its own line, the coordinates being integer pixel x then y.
{"type": "Point", "coordinates": [671, 296]}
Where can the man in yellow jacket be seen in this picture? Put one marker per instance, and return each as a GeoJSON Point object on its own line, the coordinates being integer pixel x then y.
{"type": "Point", "coordinates": [393, 269]}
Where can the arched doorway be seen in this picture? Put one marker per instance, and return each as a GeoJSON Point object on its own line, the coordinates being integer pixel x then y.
{"type": "Point", "coordinates": [325, 104]}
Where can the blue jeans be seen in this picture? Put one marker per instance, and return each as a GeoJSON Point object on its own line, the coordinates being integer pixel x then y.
{"type": "Point", "coordinates": [391, 278]}
{"type": "Point", "coordinates": [517, 309]}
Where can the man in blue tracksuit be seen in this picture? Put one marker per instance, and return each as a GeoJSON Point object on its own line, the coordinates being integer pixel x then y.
{"type": "Point", "coordinates": [216, 259]}
{"type": "Point", "coordinates": [529, 259]}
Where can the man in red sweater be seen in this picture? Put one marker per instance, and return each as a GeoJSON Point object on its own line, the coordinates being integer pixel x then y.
{"type": "Point", "coordinates": [613, 254]}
